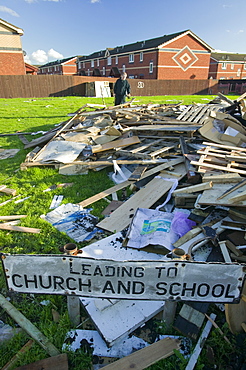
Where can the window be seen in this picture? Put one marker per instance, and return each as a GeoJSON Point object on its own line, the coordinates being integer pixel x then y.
{"type": "Point", "coordinates": [83, 64]}
{"type": "Point", "coordinates": [232, 66]}
{"type": "Point", "coordinates": [151, 67]}
{"type": "Point", "coordinates": [98, 62]}
{"type": "Point", "coordinates": [141, 56]}
{"type": "Point", "coordinates": [104, 72]}
{"type": "Point", "coordinates": [223, 65]}
{"type": "Point", "coordinates": [123, 68]}
{"type": "Point", "coordinates": [244, 66]}
{"type": "Point", "coordinates": [238, 72]}
{"type": "Point", "coordinates": [116, 59]}
{"type": "Point", "coordinates": [109, 61]}
{"type": "Point", "coordinates": [79, 65]}
{"type": "Point", "coordinates": [88, 72]}
{"type": "Point", "coordinates": [92, 63]}
{"type": "Point", "coordinates": [131, 58]}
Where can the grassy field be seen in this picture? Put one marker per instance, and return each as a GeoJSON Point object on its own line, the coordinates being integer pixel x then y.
{"type": "Point", "coordinates": [30, 116]}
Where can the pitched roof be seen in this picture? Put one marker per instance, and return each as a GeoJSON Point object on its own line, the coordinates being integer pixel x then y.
{"type": "Point", "coordinates": [12, 27]}
{"type": "Point", "coordinates": [227, 56]}
{"type": "Point", "coordinates": [143, 45]}
{"type": "Point", "coordinates": [57, 62]}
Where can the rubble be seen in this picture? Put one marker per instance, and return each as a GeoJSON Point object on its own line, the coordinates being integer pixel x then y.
{"type": "Point", "coordinates": [184, 164]}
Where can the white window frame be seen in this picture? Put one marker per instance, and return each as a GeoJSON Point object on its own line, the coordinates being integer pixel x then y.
{"type": "Point", "coordinates": [131, 58]}
{"type": "Point", "coordinates": [88, 72]}
{"type": "Point", "coordinates": [232, 66]}
{"type": "Point", "coordinates": [116, 59]}
{"type": "Point", "coordinates": [223, 66]}
{"type": "Point", "coordinates": [244, 66]}
{"type": "Point", "coordinates": [123, 68]}
{"type": "Point", "coordinates": [238, 72]}
{"type": "Point", "coordinates": [84, 65]}
{"type": "Point", "coordinates": [92, 63]}
{"type": "Point", "coordinates": [98, 62]}
{"type": "Point", "coordinates": [141, 56]}
{"type": "Point", "coordinates": [104, 71]}
{"type": "Point", "coordinates": [79, 65]}
{"type": "Point", "coordinates": [151, 67]}
{"type": "Point", "coordinates": [109, 61]}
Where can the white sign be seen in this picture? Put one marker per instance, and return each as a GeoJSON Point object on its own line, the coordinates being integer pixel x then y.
{"type": "Point", "coordinates": [147, 280]}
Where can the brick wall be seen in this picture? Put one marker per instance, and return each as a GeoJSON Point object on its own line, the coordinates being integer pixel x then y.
{"type": "Point", "coordinates": [184, 58]}
{"type": "Point", "coordinates": [12, 64]}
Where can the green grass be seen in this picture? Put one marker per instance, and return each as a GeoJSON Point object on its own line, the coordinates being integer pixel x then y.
{"type": "Point", "coordinates": [32, 115]}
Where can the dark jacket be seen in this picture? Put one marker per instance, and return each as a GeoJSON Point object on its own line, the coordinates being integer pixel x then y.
{"type": "Point", "coordinates": [122, 87]}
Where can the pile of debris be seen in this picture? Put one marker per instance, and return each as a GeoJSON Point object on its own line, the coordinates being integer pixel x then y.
{"type": "Point", "coordinates": [186, 168]}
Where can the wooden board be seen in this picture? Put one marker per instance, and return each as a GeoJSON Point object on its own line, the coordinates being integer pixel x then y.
{"type": "Point", "coordinates": [236, 314]}
{"type": "Point", "coordinates": [115, 144]}
{"type": "Point", "coordinates": [59, 362]}
{"type": "Point", "coordinates": [147, 356]}
{"type": "Point", "coordinates": [22, 229]}
{"type": "Point", "coordinates": [124, 184]}
{"type": "Point", "coordinates": [210, 197]}
{"type": "Point", "coordinates": [144, 198]}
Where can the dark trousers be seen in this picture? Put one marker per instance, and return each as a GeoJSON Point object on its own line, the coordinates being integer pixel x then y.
{"type": "Point", "coordinates": [120, 99]}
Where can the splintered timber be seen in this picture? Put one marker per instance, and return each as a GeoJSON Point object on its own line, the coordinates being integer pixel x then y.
{"type": "Point", "coordinates": [148, 280]}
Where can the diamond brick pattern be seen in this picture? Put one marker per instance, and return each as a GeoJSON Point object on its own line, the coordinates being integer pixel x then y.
{"type": "Point", "coordinates": [185, 58]}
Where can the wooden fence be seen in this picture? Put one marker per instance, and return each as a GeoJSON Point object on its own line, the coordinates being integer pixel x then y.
{"type": "Point", "coordinates": [31, 86]}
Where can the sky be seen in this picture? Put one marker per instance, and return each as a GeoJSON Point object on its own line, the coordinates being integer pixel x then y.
{"type": "Point", "coordinates": [57, 29]}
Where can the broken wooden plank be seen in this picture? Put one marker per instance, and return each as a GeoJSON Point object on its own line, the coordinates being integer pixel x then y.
{"type": "Point", "coordinates": [116, 144]}
{"type": "Point", "coordinates": [194, 188]}
{"type": "Point", "coordinates": [12, 217]}
{"type": "Point", "coordinates": [25, 324]}
{"type": "Point", "coordinates": [143, 198]}
{"type": "Point", "coordinates": [210, 197]}
{"type": "Point", "coordinates": [22, 229]}
{"type": "Point", "coordinates": [59, 362]}
{"type": "Point", "coordinates": [4, 189]}
{"type": "Point", "coordinates": [200, 343]}
{"type": "Point", "coordinates": [15, 358]}
{"type": "Point", "coordinates": [137, 173]}
{"type": "Point", "coordinates": [217, 167]}
{"type": "Point", "coordinates": [147, 356]}
{"type": "Point", "coordinates": [221, 178]}
{"type": "Point", "coordinates": [124, 184]}
{"type": "Point", "coordinates": [239, 198]}
{"type": "Point", "coordinates": [224, 251]}
{"type": "Point", "coordinates": [236, 313]}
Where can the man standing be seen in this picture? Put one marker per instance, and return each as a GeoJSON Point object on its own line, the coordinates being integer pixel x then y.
{"type": "Point", "coordinates": [121, 89]}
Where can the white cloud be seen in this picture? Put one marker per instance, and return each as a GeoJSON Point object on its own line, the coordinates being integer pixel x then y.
{"type": "Point", "coordinates": [27, 59]}
{"type": "Point", "coordinates": [8, 10]}
{"type": "Point", "coordinates": [95, 1]}
{"type": "Point", "coordinates": [40, 56]}
{"type": "Point", "coordinates": [54, 54]}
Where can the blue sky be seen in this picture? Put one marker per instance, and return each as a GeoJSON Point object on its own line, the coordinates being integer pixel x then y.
{"type": "Point", "coordinates": [56, 29]}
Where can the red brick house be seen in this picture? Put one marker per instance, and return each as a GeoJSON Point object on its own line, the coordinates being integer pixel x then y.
{"type": "Point", "coordinates": [224, 66]}
{"type": "Point", "coordinates": [181, 55]}
{"type": "Point", "coordinates": [30, 69]}
{"type": "Point", "coordinates": [65, 66]}
{"type": "Point", "coordinates": [11, 53]}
